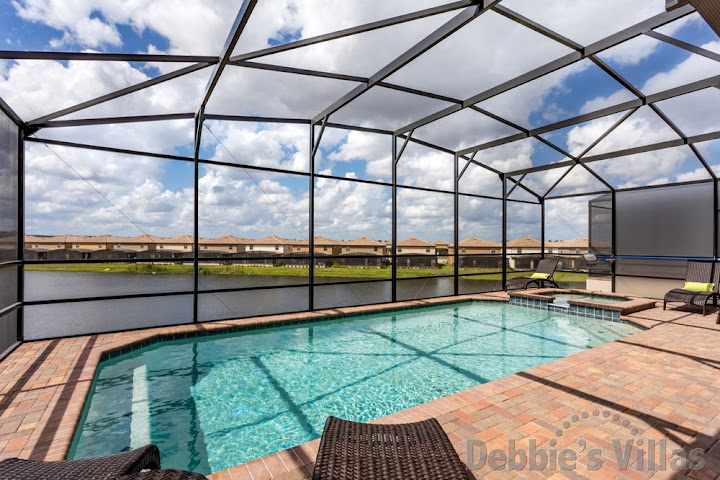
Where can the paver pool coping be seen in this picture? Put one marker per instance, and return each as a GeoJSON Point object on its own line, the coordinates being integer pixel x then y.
{"type": "Point", "coordinates": [665, 380]}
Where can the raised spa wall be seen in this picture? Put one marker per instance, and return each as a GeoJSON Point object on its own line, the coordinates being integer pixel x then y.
{"type": "Point", "coordinates": [539, 298]}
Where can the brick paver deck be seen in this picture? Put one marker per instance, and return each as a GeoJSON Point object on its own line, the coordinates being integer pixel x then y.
{"type": "Point", "coordinates": [662, 384]}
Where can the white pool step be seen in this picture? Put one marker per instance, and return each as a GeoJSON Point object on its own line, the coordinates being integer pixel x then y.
{"type": "Point", "coordinates": [140, 420]}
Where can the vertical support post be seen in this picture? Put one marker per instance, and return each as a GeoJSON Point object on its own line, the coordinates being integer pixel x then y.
{"type": "Point", "coordinates": [199, 120]}
{"type": "Point", "coordinates": [21, 235]}
{"type": "Point", "coordinates": [456, 233]}
{"type": "Point", "coordinates": [715, 219]}
{"type": "Point", "coordinates": [393, 252]}
{"type": "Point", "coordinates": [542, 228]}
{"type": "Point", "coordinates": [311, 221]}
{"type": "Point", "coordinates": [504, 232]}
{"type": "Point", "coordinates": [613, 265]}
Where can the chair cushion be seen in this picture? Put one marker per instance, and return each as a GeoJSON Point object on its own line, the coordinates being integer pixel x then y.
{"type": "Point", "coordinates": [540, 276]}
{"type": "Point", "coordinates": [698, 286]}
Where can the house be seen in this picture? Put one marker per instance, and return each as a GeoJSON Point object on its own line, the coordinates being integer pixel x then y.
{"type": "Point", "coordinates": [140, 243]}
{"type": "Point", "coordinates": [180, 244]}
{"type": "Point", "coordinates": [524, 246]}
{"type": "Point", "coordinates": [477, 246]}
{"type": "Point", "coordinates": [363, 246]}
{"type": "Point", "coordinates": [363, 252]}
{"type": "Point", "coordinates": [223, 245]}
{"type": "Point", "coordinates": [322, 245]}
{"type": "Point", "coordinates": [442, 250]}
{"type": "Point", "coordinates": [415, 246]}
{"type": "Point", "coordinates": [477, 253]}
{"type": "Point", "coordinates": [271, 245]}
{"type": "Point", "coordinates": [576, 246]}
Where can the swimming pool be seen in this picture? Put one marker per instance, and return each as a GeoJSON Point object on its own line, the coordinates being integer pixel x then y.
{"type": "Point", "coordinates": [216, 402]}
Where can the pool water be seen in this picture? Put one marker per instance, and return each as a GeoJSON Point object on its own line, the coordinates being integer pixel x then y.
{"type": "Point", "coordinates": [213, 403]}
{"type": "Point", "coordinates": [564, 297]}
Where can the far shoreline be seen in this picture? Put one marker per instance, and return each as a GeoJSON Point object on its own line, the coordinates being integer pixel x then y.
{"type": "Point", "coordinates": [286, 271]}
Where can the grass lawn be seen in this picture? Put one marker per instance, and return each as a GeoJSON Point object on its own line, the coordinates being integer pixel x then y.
{"type": "Point", "coordinates": [336, 271]}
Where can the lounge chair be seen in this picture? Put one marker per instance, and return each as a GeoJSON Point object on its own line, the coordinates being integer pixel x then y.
{"type": "Point", "coordinates": [546, 266]}
{"type": "Point", "coordinates": [126, 466]}
{"type": "Point", "coordinates": [353, 451]}
{"type": "Point", "coordinates": [164, 475]}
{"type": "Point", "coordinates": [698, 272]}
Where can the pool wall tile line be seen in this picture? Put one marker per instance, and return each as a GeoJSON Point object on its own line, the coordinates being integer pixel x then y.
{"type": "Point", "coordinates": [319, 319]}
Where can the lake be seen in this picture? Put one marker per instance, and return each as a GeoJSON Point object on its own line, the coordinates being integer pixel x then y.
{"type": "Point", "coordinates": [284, 294]}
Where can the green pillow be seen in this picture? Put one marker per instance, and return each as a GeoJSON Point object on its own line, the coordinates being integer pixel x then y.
{"type": "Point", "coordinates": [540, 276]}
{"type": "Point", "coordinates": [698, 286]}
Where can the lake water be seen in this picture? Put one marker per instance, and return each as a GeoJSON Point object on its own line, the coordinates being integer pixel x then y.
{"type": "Point", "coordinates": [77, 318]}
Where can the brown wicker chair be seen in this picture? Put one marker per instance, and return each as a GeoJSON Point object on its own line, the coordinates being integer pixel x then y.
{"type": "Point", "coordinates": [164, 475]}
{"type": "Point", "coordinates": [354, 451]}
{"type": "Point", "coordinates": [546, 265]}
{"type": "Point", "coordinates": [703, 272]}
{"type": "Point", "coordinates": [109, 467]}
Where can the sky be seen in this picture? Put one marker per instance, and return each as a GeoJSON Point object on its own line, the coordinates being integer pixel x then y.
{"type": "Point", "coordinates": [88, 192]}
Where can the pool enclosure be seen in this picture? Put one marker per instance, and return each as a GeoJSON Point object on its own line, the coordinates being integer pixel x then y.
{"type": "Point", "coordinates": [428, 127]}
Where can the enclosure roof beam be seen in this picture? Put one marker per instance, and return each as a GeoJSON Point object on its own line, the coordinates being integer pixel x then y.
{"type": "Point", "coordinates": [579, 159]}
{"type": "Point", "coordinates": [574, 195]}
{"type": "Point", "coordinates": [118, 93]}
{"type": "Point", "coordinates": [100, 148]}
{"type": "Point", "coordinates": [517, 183]}
{"type": "Point", "coordinates": [619, 78]}
{"type": "Point", "coordinates": [625, 152]}
{"type": "Point", "coordinates": [84, 122]}
{"type": "Point", "coordinates": [684, 45]}
{"type": "Point", "coordinates": [440, 34]}
{"type": "Point", "coordinates": [5, 108]}
{"type": "Point", "coordinates": [657, 97]}
{"type": "Point", "coordinates": [367, 27]}
{"type": "Point", "coordinates": [106, 57]}
{"type": "Point", "coordinates": [604, 44]}
{"type": "Point", "coordinates": [532, 25]}
{"type": "Point", "coordinates": [340, 76]}
{"type": "Point", "coordinates": [241, 20]}
{"type": "Point", "coordinates": [299, 71]}
{"type": "Point", "coordinates": [653, 147]}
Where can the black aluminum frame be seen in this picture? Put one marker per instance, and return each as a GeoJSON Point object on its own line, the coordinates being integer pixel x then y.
{"type": "Point", "coordinates": [468, 11]}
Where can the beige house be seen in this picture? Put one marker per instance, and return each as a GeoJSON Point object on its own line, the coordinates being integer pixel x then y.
{"type": "Point", "coordinates": [322, 245]}
{"type": "Point", "coordinates": [183, 243]}
{"type": "Point", "coordinates": [140, 243]}
{"type": "Point", "coordinates": [363, 246]}
{"type": "Point", "coordinates": [271, 244]}
{"type": "Point", "coordinates": [226, 244]}
{"type": "Point", "coordinates": [415, 246]}
{"type": "Point", "coordinates": [442, 248]}
{"type": "Point", "coordinates": [478, 246]}
{"type": "Point", "coordinates": [70, 242]}
{"type": "Point", "coordinates": [577, 246]}
{"type": "Point", "coordinates": [33, 241]}
{"type": "Point", "coordinates": [524, 246]}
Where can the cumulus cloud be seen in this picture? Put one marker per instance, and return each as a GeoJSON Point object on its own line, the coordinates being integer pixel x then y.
{"type": "Point", "coordinates": [158, 194]}
{"type": "Point", "coordinates": [373, 150]}
{"type": "Point", "coordinates": [557, 213]}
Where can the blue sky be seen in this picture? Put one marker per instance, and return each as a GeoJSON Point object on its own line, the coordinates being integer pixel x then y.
{"type": "Point", "coordinates": [255, 211]}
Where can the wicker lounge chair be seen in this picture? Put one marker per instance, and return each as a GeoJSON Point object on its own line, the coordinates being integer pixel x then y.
{"type": "Point", "coordinates": [354, 451]}
{"type": "Point", "coordinates": [703, 272]}
{"type": "Point", "coordinates": [546, 265]}
{"type": "Point", "coordinates": [109, 467]}
{"type": "Point", "coordinates": [164, 475]}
